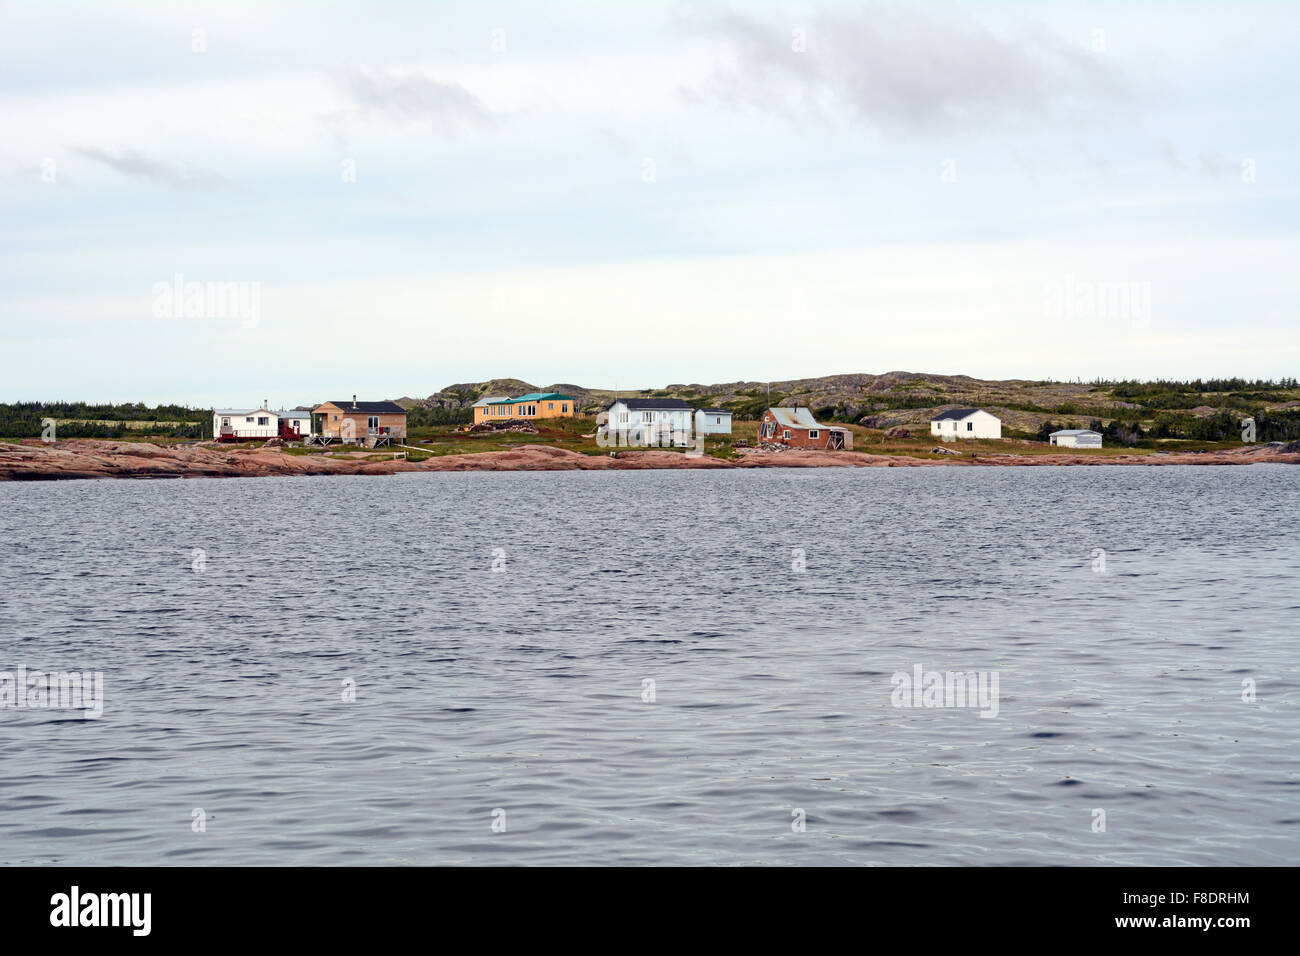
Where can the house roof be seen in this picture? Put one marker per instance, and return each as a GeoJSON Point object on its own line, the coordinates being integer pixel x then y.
{"type": "Point", "coordinates": [1077, 431]}
{"type": "Point", "coordinates": [642, 404]}
{"type": "Point", "coordinates": [295, 413]}
{"type": "Point", "coordinates": [242, 411]}
{"type": "Point", "coordinates": [543, 396]}
{"type": "Point", "coordinates": [715, 411]}
{"type": "Point", "coordinates": [800, 417]}
{"type": "Point", "coordinates": [368, 408]}
{"type": "Point", "coordinates": [530, 397]}
{"type": "Point", "coordinates": [957, 413]}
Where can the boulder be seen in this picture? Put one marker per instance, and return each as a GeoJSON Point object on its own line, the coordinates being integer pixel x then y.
{"type": "Point", "coordinates": [879, 421]}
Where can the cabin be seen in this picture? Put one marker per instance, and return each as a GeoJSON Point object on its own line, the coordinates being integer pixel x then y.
{"type": "Point", "coordinates": [500, 408]}
{"type": "Point", "coordinates": [712, 421]}
{"type": "Point", "coordinates": [965, 423]}
{"type": "Point", "coordinates": [795, 427]}
{"type": "Point", "coordinates": [1076, 438]}
{"type": "Point", "coordinates": [369, 423]}
{"type": "Point", "coordinates": [649, 421]}
{"type": "Point", "coordinates": [242, 424]}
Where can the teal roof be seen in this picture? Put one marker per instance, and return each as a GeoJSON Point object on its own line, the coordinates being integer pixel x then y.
{"type": "Point", "coordinates": [541, 397]}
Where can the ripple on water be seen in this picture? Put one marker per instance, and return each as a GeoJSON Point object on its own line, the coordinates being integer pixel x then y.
{"type": "Point", "coordinates": [650, 682]}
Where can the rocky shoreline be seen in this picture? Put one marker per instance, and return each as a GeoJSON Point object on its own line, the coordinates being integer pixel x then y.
{"type": "Point", "coordinates": [34, 460]}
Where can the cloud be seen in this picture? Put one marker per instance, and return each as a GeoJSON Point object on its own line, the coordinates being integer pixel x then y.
{"type": "Point", "coordinates": [137, 166]}
{"type": "Point", "coordinates": [416, 98]}
{"type": "Point", "coordinates": [898, 69]}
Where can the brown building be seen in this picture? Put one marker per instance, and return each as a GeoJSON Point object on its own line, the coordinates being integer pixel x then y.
{"type": "Point", "coordinates": [795, 427]}
{"type": "Point", "coordinates": [360, 422]}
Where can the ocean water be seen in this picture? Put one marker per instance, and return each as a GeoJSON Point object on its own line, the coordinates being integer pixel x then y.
{"type": "Point", "coordinates": [665, 668]}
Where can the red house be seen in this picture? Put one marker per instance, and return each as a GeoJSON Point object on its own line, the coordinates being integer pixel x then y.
{"type": "Point", "coordinates": [795, 427]}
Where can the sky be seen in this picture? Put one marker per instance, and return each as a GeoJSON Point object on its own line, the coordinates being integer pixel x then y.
{"type": "Point", "coordinates": [212, 204]}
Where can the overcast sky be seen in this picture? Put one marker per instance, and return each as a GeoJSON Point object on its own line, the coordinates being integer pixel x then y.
{"type": "Point", "coordinates": [635, 194]}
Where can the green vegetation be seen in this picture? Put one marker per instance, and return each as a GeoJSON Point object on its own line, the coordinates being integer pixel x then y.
{"type": "Point", "coordinates": [419, 417]}
{"type": "Point", "coordinates": [82, 420]}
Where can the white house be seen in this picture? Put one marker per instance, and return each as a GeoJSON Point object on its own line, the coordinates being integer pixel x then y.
{"type": "Point", "coordinates": [240, 424]}
{"type": "Point", "coordinates": [712, 421]}
{"type": "Point", "coordinates": [965, 423]}
{"type": "Point", "coordinates": [649, 421]}
{"type": "Point", "coordinates": [1076, 438]}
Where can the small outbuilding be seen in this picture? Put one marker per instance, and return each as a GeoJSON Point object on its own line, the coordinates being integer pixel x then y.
{"type": "Point", "coordinates": [795, 427]}
{"type": "Point", "coordinates": [1076, 438]}
{"type": "Point", "coordinates": [712, 421]}
{"type": "Point", "coordinates": [295, 423]}
{"type": "Point", "coordinates": [965, 423]}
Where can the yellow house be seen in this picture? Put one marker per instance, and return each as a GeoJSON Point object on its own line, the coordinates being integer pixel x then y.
{"type": "Point", "coordinates": [500, 408]}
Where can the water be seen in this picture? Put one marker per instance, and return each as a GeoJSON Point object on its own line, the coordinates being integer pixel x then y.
{"type": "Point", "coordinates": [522, 690]}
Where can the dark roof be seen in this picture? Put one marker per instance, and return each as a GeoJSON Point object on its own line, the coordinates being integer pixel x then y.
{"type": "Point", "coordinates": [651, 403]}
{"type": "Point", "coordinates": [958, 413]}
{"type": "Point", "coordinates": [369, 408]}
{"type": "Point", "coordinates": [716, 411]}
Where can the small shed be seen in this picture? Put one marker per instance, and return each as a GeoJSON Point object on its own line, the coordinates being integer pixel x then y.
{"type": "Point", "coordinates": [795, 427]}
{"type": "Point", "coordinates": [1076, 438]}
{"type": "Point", "coordinates": [712, 421]}
{"type": "Point", "coordinates": [295, 423]}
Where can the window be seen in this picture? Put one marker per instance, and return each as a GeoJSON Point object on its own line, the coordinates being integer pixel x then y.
{"type": "Point", "coordinates": [261, 419]}
{"type": "Point", "coordinates": [813, 433]}
{"type": "Point", "coordinates": [372, 421]}
{"type": "Point", "coordinates": [622, 418]}
{"type": "Point", "coordinates": [335, 418]}
{"type": "Point", "coordinates": [550, 406]}
{"type": "Point", "coordinates": [564, 407]}
{"type": "Point", "coordinates": [787, 434]}
{"type": "Point", "coordinates": [717, 421]}
{"type": "Point", "coordinates": [647, 417]}
{"type": "Point", "coordinates": [248, 420]}
{"type": "Point", "coordinates": [225, 422]}
{"type": "Point", "coordinates": [970, 426]}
